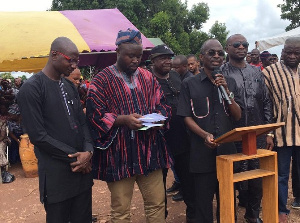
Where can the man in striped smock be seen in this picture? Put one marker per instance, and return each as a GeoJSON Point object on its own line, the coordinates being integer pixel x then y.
{"type": "Point", "coordinates": [282, 80]}
{"type": "Point", "coordinates": [118, 96]}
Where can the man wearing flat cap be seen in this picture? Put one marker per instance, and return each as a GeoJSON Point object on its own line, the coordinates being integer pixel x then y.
{"type": "Point", "coordinates": [117, 98]}
{"type": "Point", "coordinates": [176, 136]}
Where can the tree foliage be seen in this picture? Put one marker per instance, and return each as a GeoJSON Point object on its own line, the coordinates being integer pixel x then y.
{"type": "Point", "coordinates": [218, 31]}
{"type": "Point", "coordinates": [169, 20]}
{"type": "Point", "coordinates": [290, 10]}
{"type": "Point", "coordinates": [7, 75]}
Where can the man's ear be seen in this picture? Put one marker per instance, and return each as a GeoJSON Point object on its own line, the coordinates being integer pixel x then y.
{"type": "Point", "coordinates": [226, 49]}
{"type": "Point", "coordinates": [200, 57]}
{"type": "Point", "coordinates": [152, 60]}
{"type": "Point", "coordinates": [53, 55]}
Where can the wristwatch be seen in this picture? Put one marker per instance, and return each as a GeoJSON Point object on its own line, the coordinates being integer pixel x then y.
{"type": "Point", "coordinates": [231, 95]}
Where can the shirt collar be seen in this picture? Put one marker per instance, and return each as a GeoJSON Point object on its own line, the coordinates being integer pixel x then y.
{"type": "Point", "coordinates": [202, 75]}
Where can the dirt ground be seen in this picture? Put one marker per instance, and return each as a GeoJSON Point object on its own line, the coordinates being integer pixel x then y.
{"type": "Point", "coordinates": [19, 202]}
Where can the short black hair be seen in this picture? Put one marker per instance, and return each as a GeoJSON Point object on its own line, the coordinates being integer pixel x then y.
{"type": "Point", "coordinates": [182, 59]}
{"type": "Point", "coordinates": [192, 55]}
{"type": "Point", "coordinates": [204, 45]}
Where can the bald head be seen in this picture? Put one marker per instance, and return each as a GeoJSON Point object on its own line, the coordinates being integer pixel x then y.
{"type": "Point", "coordinates": [62, 44]}
{"type": "Point", "coordinates": [75, 77]}
{"type": "Point", "coordinates": [212, 55]}
{"type": "Point", "coordinates": [181, 60]}
{"type": "Point", "coordinates": [255, 56]}
{"type": "Point", "coordinates": [180, 64]}
{"type": "Point", "coordinates": [291, 52]}
{"type": "Point", "coordinates": [233, 37]}
{"type": "Point", "coordinates": [63, 58]}
{"type": "Point", "coordinates": [295, 41]}
{"type": "Point", "coordinates": [206, 45]}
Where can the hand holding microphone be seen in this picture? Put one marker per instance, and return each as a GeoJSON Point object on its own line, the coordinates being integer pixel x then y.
{"type": "Point", "coordinates": [221, 83]}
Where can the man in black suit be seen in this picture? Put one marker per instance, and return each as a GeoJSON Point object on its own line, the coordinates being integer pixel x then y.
{"type": "Point", "coordinates": [53, 118]}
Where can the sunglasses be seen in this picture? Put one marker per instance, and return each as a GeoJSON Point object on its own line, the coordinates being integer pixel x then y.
{"type": "Point", "coordinates": [71, 61]}
{"type": "Point", "coordinates": [237, 44]}
{"type": "Point", "coordinates": [212, 53]}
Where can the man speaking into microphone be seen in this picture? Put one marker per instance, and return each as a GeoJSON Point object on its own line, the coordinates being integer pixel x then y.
{"type": "Point", "coordinates": [208, 115]}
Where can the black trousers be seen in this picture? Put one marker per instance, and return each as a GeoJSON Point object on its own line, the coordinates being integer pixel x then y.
{"type": "Point", "coordinates": [74, 210]}
{"type": "Point", "coordinates": [182, 168]}
{"type": "Point", "coordinates": [295, 176]}
{"type": "Point", "coordinates": [206, 185]}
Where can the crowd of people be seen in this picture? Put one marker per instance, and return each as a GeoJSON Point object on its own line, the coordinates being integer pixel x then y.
{"type": "Point", "coordinates": [94, 130]}
{"type": "Point", "coordinates": [10, 130]}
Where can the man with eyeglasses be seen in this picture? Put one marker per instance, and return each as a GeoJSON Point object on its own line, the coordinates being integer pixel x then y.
{"type": "Point", "coordinates": [208, 115]}
{"type": "Point", "coordinates": [283, 82]}
{"type": "Point", "coordinates": [176, 136]}
{"type": "Point", "coordinates": [257, 111]}
{"type": "Point", "coordinates": [54, 120]}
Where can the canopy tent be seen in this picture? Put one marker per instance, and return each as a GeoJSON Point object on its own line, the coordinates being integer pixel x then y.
{"type": "Point", "coordinates": [277, 40]}
{"type": "Point", "coordinates": [26, 37]}
{"type": "Point", "coordinates": [156, 41]}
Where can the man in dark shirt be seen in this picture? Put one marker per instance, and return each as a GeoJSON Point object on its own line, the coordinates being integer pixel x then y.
{"type": "Point", "coordinates": [180, 65]}
{"type": "Point", "coordinates": [266, 58]}
{"type": "Point", "coordinates": [208, 116]}
{"type": "Point", "coordinates": [193, 64]}
{"type": "Point", "coordinates": [257, 111]}
{"type": "Point", "coordinates": [177, 137]}
{"type": "Point", "coordinates": [54, 120]}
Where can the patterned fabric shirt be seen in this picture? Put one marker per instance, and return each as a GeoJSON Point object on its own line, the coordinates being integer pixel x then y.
{"type": "Point", "coordinates": [123, 152]}
{"type": "Point", "coordinates": [284, 88]}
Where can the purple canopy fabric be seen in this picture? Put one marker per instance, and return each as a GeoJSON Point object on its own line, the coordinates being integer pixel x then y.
{"type": "Point", "coordinates": [99, 28]}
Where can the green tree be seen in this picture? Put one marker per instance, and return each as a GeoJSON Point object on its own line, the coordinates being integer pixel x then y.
{"type": "Point", "coordinates": [219, 32]}
{"type": "Point", "coordinates": [197, 38]}
{"type": "Point", "coordinates": [59, 5]}
{"type": "Point", "coordinates": [24, 78]}
{"type": "Point", "coordinates": [290, 10]}
{"type": "Point", "coordinates": [7, 75]}
{"type": "Point", "coordinates": [169, 20]}
{"type": "Point", "coordinates": [160, 23]}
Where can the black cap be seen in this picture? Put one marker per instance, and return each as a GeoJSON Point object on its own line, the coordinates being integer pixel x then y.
{"type": "Point", "coordinates": [160, 50]}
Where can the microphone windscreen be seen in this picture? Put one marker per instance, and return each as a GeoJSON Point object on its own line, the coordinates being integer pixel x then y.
{"type": "Point", "coordinates": [217, 70]}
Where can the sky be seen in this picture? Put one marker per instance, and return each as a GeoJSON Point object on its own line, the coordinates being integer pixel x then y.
{"type": "Point", "coordinates": [255, 19]}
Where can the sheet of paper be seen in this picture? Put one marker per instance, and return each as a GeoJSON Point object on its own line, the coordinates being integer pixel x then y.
{"type": "Point", "coordinates": [151, 120]}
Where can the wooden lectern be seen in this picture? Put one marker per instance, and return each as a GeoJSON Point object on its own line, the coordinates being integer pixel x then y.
{"type": "Point", "coordinates": [268, 171]}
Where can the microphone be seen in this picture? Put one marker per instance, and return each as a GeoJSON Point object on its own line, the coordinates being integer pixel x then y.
{"type": "Point", "coordinates": [221, 88]}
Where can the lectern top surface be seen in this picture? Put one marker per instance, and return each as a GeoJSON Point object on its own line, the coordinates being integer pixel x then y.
{"type": "Point", "coordinates": [237, 133]}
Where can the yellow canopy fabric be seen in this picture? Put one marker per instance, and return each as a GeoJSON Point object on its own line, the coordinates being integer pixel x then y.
{"type": "Point", "coordinates": [30, 34]}
{"type": "Point", "coordinates": [26, 65]}
{"type": "Point", "coordinates": [25, 37]}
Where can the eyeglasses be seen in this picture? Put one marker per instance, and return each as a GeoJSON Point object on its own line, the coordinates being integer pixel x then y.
{"type": "Point", "coordinates": [71, 61]}
{"type": "Point", "coordinates": [237, 44]}
{"type": "Point", "coordinates": [212, 53]}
